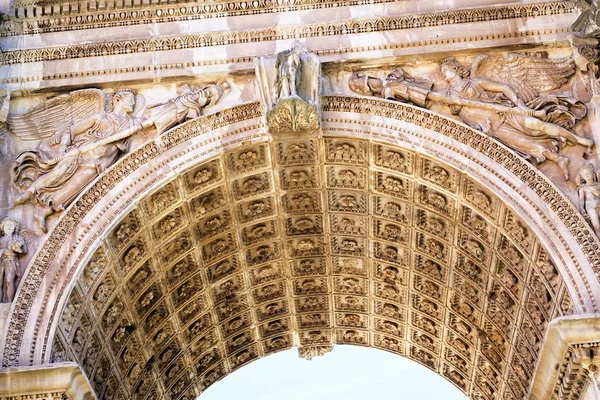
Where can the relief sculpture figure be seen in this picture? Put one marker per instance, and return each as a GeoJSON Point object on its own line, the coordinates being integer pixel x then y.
{"type": "Point", "coordinates": [82, 140]}
{"type": "Point", "coordinates": [288, 66]}
{"type": "Point", "coordinates": [54, 176]}
{"type": "Point", "coordinates": [12, 246]}
{"type": "Point", "coordinates": [398, 86]}
{"type": "Point", "coordinates": [520, 112]}
{"type": "Point", "coordinates": [586, 24]}
{"type": "Point", "coordinates": [289, 88]}
{"type": "Point", "coordinates": [530, 134]}
{"type": "Point", "coordinates": [589, 195]}
{"type": "Point", "coordinates": [184, 107]}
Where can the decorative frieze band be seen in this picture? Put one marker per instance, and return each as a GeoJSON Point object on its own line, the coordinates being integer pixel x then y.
{"type": "Point", "coordinates": [58, 18]}
{"type": "Point", "coordinates": [242, 60]}
{"type": "Point", "coordinates": [305, 31]}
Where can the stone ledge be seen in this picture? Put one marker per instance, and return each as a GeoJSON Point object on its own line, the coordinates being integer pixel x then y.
{"type": "Point", "coordinates": [563, 338]}
{"type": "Point", "coordinates": [49, 381]}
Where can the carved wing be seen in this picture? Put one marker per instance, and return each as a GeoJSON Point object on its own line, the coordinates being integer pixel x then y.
{"type": "Point", "coordinates": [527, 75]}
{"type": "Point", "coordinates": [57, 114]}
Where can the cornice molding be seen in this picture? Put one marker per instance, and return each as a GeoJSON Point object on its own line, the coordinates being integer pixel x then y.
{"type": "Point", "coordinates": [249, 60]}
{"type": "Point", "coordinates": [61, 380]}
{"type": "Point", "coordinates": [31, 18]}
{"type": "Point", "coordinates": [223, 38]}
{"type": "Point", "coordinates": [55, 19]}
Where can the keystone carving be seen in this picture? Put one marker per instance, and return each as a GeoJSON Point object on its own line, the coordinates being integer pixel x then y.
{"type": "Point", "coordinates": [310, 351]}
{"type": "Point", "coordinates": [289, 87]}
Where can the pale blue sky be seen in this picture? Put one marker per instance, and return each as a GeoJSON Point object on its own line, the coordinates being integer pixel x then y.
{"type": "Point", "coordinates": [347, 373]}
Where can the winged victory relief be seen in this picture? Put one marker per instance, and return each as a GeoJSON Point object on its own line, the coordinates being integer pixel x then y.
{"type": "Point", "coordinates": [512, 98]}
{"type": "Point", "coordinates": [83, 133]}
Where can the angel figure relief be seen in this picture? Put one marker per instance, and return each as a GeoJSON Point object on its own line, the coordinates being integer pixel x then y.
{"type": "Point", "coordinates": [509, 98]}
{"type": "Point", "coordinates": [81, 138]}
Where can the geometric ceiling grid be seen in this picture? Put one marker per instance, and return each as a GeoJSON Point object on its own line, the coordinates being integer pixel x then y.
{"type": "Point", "coordinates": [311, 242]}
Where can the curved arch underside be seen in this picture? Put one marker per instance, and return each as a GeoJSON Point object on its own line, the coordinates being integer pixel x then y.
{"type": "Point", "coordinates": [217, 244]}
{"type": "Point", "coordinates": [312, 241]}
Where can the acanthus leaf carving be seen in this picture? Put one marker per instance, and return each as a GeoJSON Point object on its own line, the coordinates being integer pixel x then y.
{"type": "Point", "coordinates": [309, 352]}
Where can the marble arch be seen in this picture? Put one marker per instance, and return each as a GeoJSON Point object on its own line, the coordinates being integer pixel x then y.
{"type": "Point", "coordinates": [450, 223]}
{"type": "Point", "coordinates": [259, 202]}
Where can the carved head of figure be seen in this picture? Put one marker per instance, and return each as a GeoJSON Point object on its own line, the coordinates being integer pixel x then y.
{"type": "Point", "coordinates": [213, 93]}
{"type": "Point", "coordinates": [124, 99]}
{"type": "Point", "coordinates": [8, 226]}
{"type": "Point", "coordinates": [399, 75]}
{"type": "Point", "coordinates": [452, 69]}
{"type": "Point", "coordinates": [587, 175]}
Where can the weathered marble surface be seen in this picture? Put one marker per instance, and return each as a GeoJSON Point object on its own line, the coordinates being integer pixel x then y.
{"type": "Point", "coordinates": [292, 220]}
{"type": "Point", "coordinates": [155, 52]}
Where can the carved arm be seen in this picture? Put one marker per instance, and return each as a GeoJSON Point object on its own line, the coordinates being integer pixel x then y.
{"type": "Point", "coordinates": [111, 139]}
{"type": "Point", "coordinates": [501, 88]}
{"type": "Point", "coordinates": [446, 99]}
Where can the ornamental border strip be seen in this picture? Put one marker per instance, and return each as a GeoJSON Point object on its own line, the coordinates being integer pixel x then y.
{"type": "Point", "coordinates": [357, 26]}
{"type": "Point", "coordinates": [188, 11]}
{"type": "Point", "coordinates": [239, 60]}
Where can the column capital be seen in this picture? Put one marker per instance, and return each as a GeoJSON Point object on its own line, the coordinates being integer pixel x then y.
{"type": "Point", "coordinates": [569, 358]}
{"type": "Point", "coordinates": [52, 381]}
